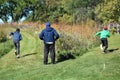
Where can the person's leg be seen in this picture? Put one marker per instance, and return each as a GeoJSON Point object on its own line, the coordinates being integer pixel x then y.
{"type": "Point", "coordinates": [102, 44]}
{"type": "Point", "coordinates": [18, 44]}
{"type": "Point", "coordinates": [52, 53]}
{"type": "Point", "coordinates": [15, 48]}
{"type": "Point", "coordinates": [18, 49]}
{"type": "Point", "coordinates": [101, 47]}
{"type": "Point", "coordinates": [46, 52]}
{"type": "Point", "coordinates": [106, 45]}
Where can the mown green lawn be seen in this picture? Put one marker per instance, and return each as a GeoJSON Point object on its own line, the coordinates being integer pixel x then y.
{"type": "Point", "coordinates": [93, 65]}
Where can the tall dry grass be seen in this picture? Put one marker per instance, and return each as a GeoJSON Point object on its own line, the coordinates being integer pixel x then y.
{"type": "Point", "coordinates": [5, 44]}
{"type": "Point", "coordinates": [85, 33]}
{"type": "Point", "coordinates": [75, 39]}
{"type": "Point", "coordinates": [3, 33]}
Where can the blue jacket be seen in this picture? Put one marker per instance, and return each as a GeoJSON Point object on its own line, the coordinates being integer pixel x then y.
{"type": "Point", "coordinates": [49, 34]}
{"type": "Point", "coordinates": [16, 36]}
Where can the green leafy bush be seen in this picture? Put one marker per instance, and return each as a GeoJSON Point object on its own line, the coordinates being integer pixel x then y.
{"type": "Point", "coordinates": [69, 46]}
{"type": "Point", "coordinates": [66, 19]}
{"type": "Point", "coordinates": [5, 47]}
{"type": "Point", "coordinates": [3, 36]}
{"type": "Point", "coordinates": [5, 44]}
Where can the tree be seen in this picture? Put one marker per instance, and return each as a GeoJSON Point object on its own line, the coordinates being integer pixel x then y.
{"type": "Point", "coordinates": [108, 11]}
{"type": "Point", "coordinates": [80, 10]}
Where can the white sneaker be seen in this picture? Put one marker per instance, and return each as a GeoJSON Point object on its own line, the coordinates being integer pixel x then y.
{"type": "Point", "coordinates": [18, 56]}
{"type": "Point", "coordinates": [101, 47]}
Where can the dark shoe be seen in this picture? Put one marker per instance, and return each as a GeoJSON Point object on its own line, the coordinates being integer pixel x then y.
{"type": "Point", "coordinates": [104, 51]}
{"type": "Point", "coordinates": [16, 53]}
{"type": "Point", "coordinates": [53, 63]}
{"type": "Point", "coordinates": [45, 63]}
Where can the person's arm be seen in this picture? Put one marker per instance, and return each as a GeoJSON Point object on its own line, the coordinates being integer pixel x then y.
{"type": "Point", "coordinates": [56, 35]}
{"type": "Point", "coordinates": [108, 34]}
{"type": "Point", "coordinates": [41, 35]}
{"type": "Point", "coordinates": [98, 33]}
{"type": "Point", "coordinates": [20, 37]}
{"type": "Point", "coordinates": [11, 33]}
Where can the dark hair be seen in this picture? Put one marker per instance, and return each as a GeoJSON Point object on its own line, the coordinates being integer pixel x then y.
{"type": "Point", "coordinates": [18, 29]}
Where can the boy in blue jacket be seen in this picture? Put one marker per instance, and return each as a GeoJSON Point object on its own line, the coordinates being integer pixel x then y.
{"type": "Point", "coordinates": [49, 36]}
{"type": "Point", "coordinates": [17, 37]}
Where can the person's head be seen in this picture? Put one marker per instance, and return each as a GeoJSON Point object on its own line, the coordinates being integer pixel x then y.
{"type": "Point", "coordinates": [47, 24]}
{"type": "Point", "coordinates": [18, 30]}
{"type": "Point", "coordinates": [105, 28]}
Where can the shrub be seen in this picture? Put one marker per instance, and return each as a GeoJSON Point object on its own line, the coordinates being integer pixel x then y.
{"type": "Point", "coordinates": [66, 19]}
{"type": "Point", "coordinates": [3, 36]}
{"type": "Point", "coordinates": [5, 44]}
{"type": "Point", "coordinates": [5, 47]}
{"type": "Point", "coordinates": [69, 46]}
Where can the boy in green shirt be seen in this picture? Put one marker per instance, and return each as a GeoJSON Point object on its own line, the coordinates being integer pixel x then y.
{"type": "Point", "coordinates": [103, 37]}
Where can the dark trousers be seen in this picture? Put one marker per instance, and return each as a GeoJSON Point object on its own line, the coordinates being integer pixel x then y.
{"type": "Point", "coordinates": [49, 48]}
{"type": "Point", "coordinates": [104, 42]}
{"type": "Point", "coordinates": [17, 46]}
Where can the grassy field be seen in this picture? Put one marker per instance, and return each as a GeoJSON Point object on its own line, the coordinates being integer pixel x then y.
{"type": "Point", "coordinates": [93, 65]}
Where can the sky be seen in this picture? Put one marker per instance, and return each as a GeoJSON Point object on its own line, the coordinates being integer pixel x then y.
{"type": "Point", "coordinates": [1, 21]}
{"type": "Point", "coordinates": [10, 18]}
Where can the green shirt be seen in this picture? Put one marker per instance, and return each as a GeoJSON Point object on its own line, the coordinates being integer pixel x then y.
{"type": "Point", "coordinates": [103, 34]}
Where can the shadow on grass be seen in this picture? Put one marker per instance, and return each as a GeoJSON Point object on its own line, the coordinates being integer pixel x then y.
{"type": "Point", "coordinates": [62, 58]}
{"type": "Point", "coordinates": [112, 50]}
{"type": "Point", "coordinates": [29, 54]}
